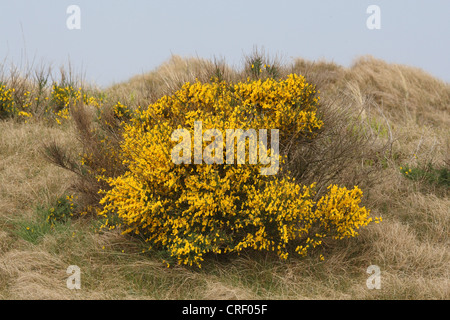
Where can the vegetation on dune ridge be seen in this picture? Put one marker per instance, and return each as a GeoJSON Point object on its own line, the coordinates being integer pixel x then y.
{"type": "Point", "coordinates": [375, 128]}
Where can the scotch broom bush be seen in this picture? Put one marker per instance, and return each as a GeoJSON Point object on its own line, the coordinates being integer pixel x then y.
{"type": "Point", "coordinates": [23, 97]}
{"type": "Point", "coordinates": [191, 210]}
{"type": "Point", "coordinates": [6, 102]}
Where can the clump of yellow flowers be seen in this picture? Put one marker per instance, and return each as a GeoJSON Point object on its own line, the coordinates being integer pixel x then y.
{"type": "Point", "coordinates": [53, 103]}
{"type": "Point", "coordinates": [62, 211]}
{"type": "Point", "coordinates": [191, 210]}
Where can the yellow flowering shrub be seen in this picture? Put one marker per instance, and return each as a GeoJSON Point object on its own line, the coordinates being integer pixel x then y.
{"type": "Point", "coordinates": [9, 107]}
{"type": "Point", "coordinates": [63, 96]}
{"type": "Point", "coordinates": [6, 102]}
{"type": "Point", "coordinates": [52, 103]}
{"type": "Point", "coordinates": [191, 210]}
{"type": "Point", "coordinates": [339, 213]}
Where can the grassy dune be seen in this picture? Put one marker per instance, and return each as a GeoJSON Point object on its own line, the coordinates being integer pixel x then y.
{"type": "Point", "coordinates": [407, 109]}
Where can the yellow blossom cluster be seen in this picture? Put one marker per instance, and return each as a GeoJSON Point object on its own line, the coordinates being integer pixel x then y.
{"type": "Point", "coordinates": [64, 96]}
{"type": "Point", "coordinates": [9, 107]}
{"type": "Point", "coordinates": [339, 213]}
{"type": "Point", "coordinates": [191, 210]}
{"type": "Point", "coordinates": [6, 101]}
{"type": "Point", "coordinates": [54, 104]}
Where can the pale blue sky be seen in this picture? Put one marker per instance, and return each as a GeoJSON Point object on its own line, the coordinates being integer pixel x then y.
{"type": "Point", "coordinates": [119, 39]}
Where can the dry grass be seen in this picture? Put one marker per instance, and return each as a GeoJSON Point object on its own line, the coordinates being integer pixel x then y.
{"type": "Point", "coordinates": [144, 89]}
{"type": "Point", "coordinates": [403, 92]}
{"type": "Point", "coordinates": [405, 108]}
